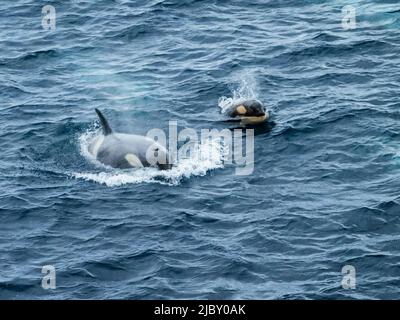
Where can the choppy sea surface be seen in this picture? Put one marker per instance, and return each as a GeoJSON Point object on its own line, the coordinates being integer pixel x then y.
{"type": "Point", "coordinates": [325, 188]}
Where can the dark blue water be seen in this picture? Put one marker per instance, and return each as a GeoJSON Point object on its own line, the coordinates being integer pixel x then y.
{"type": "Point", "coordinates": [325, 188]}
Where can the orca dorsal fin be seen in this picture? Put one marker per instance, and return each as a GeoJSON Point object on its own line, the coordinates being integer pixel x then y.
{"type": "Point", "coordinates": [104, 123]}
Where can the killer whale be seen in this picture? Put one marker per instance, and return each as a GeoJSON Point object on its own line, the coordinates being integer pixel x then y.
{"type": "Point", "coordinates": [123, 151]}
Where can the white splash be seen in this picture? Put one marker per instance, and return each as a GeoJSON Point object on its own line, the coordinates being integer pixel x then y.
{"type": "Point", "coordinates": [244, 87]}
{"type": "Point", "coordinates": [205, 157]}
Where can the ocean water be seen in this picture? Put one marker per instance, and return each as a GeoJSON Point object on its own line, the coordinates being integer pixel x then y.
{"type": "Point", "coordinates": [324, 192]}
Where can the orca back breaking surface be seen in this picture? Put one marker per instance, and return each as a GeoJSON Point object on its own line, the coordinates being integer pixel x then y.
{"type": "Point", "coordinates": [121, 150]}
